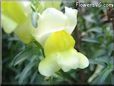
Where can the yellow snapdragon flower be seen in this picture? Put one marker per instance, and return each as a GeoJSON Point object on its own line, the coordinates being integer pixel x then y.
{"type": "Point", "coordinates": [54, 34]}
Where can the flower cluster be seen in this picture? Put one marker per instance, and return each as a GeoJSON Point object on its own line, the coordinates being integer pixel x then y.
{"type": "Point", "coordinates": [53, 33]}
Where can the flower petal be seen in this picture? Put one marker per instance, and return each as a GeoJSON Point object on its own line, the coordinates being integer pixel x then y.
{"type": "Point", "coordinates": [72, 19]}
{"type": "Point", "coordinates": [48, 66]}
{"type": "Point", "coordinates": [68, 60]}
{"type": "Point", "coordinates": [18, 15]}
{"type": "Point", "coordinates": [58, 41]}
{"type": "Point", "coordinates": [8, 24]}
{"type": "Point", "coordinates": [24, 31]}
{"type": "Point", "coordinates": [84, 62]}
{"type": "Point", "coordinates": [26, 6]}
{"type": "Point", "coordinates": [51, 20]}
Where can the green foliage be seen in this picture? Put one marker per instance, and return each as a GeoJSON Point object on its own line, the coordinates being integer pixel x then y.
{"type": "Point", "coordinates": [36, 6]}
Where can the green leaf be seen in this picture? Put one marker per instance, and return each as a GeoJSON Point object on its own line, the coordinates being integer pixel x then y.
{"type": "Point", "coordinates": [90, 40]}
{"type": "Point", "coordinates": [32, 49]}
{"type": "Point", "coordinates": [22, 56]}
{"type": "Point", "coordinates": [33, 77]}
{"type": "Point", "coordinates": [103, 75]}
{"type": "Point", "coordinates": [25, 73]}
{"type": "Point", "coordinates": [99, 53]}
{"type": "Point", "coordinates": [96, 29]}
{"type": "Point", "coordinates": [112, 79]}
{"type": "Point", "coordinates": [36, 6]}
{"type": "Point", "coordinates": [103, 60]}
{"type": "Point", "coordinates": [110, 48]}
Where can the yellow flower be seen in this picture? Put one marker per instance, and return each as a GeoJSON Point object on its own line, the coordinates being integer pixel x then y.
{"type": "Point", "coordinates": [60, 54]}
{"type": "Point", "coordinates": [16, 18]}
{"type": "Point", "coordinates": [54, 34]}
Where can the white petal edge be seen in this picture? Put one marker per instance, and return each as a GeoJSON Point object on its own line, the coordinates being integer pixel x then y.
{"type": "Point", "coordinates": [72, 19]}
{"type": "Point", "coordinates": [68, 60]}
{"type": "Point", "coordinates": [84, 62]}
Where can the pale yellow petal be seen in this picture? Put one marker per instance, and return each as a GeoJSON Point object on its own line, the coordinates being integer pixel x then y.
{"type": "Point", "coordinates": [13, 10]}
{"type": "Point", "coordinates": [24, 31]}
{"type": "Point", "coordinates": [48, 66]}
{"type": "Point", "coordinates": [84, 62]}
{"type": "Point", "coordinates": [68, 60]}
{"type": "Point", "coordinates": [8, 24]}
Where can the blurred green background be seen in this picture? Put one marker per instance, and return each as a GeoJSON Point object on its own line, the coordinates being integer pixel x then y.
{"type": "Point", "coordinates": [94, 37]}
